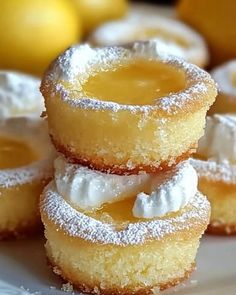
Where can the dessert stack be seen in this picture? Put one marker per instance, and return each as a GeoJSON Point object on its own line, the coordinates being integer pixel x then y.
{"type": "Point", "coordinates": [123, 214]}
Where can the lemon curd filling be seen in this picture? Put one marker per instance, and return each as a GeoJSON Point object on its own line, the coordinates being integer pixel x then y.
{"type": "Point", "coordinates": [119, 213]}
{"type": "Point", "coordinates": [139, 82]}
{"type": "Point", "coordinates": [15, 153]}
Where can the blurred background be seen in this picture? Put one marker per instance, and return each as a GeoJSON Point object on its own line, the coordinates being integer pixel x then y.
{"type": "Point", "coordinates": [34, 32]}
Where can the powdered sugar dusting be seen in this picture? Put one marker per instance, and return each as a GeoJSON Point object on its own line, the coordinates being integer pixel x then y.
{"type": "Point", "coordinates": [27, 174]}
{"type": "Point", "coordinates": [79, 62]}
{"type": "Point", "coordinates": [35, 133]}
{"type": "Point", "coordinates": [214, 171]}
{"type": "Point", "coordinates": [19, 95]}
{"type": "Point", "coordinates": [77, 224]}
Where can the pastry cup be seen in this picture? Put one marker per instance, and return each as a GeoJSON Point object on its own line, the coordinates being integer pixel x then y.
{"type": "Point", "coordinates": [21, 187]}
{"type": "Point", "coordinates": [103, 257]}
{"type": "Point", "coordinates": [218, 183]}
{"type": "Point", "coordinates": [124, 138]}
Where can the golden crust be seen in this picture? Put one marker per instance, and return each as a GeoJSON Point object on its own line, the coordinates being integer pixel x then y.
{"type": "Point", "coordinates": [88, 289]}
{"type": "Point", "coordinates": [98, 164]}
{"type": "Point", "coordinates": [26, 218]}
{"type": "Point", "coordinates": [27, 222]}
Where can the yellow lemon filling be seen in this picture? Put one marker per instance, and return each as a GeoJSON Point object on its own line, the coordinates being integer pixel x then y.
{"type": "Point", "coordinates": [119, 213]}
{"type": "Point", "coordinates": [137, 83]}
{"type": "Point", "coordinates": [15, 153]}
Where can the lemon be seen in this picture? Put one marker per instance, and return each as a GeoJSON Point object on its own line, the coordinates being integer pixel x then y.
{"type": "Point", "coordinates": [216, 21]}
{"type": "Point", "coordinates": [33, 33]}
{"type": "Point", "coordinates": [95, 12]}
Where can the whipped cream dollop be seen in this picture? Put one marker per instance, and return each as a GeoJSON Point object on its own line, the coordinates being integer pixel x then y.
{"type": "Point", "coordinates": [157, 194]}
{"type": "Point", "coordinates": [170, 192]}
{"type": "Point", "coordinates": [225, 77]}
{"type": "Point", "coordinates": [219, 141]}
{"type": "Point", "coordinates": [90, 189]}
{"type": "Point", "coordinates": [170, 47]}
{"type": "Point", "coordinates": [19, 95]}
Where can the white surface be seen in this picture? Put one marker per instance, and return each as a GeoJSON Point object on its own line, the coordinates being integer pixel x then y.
{"type": "Point", "coordinates": [23, 264]}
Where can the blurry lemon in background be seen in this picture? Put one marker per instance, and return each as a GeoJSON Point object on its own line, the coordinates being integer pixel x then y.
{"type": "Point", "coordinates": [216, 21]}
{"type": "Point", "coordinates": [34, 32]}
{"type": "Point", "coordinates": [95, 12]}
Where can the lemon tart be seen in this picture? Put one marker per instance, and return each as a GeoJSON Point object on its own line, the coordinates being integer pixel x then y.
{"type": "Point", "coordinates": [131, 234]}
{"type": "Point", "coordinates": [215, 163]}
{"type": "Point", "coordinates": [26, 158]}
{"type": "Point", "coordinates": [126, 109]}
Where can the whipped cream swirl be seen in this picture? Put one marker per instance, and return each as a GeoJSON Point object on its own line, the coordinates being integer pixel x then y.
{"type": "Point", "coordinates": [170, 192]}
{"type": "Point", "coordinates": [224, 76]}
{"type": "Point", "coordinates": [157, 194]}
{"type": "Point", "coordinates": [88, 189]}
{"type": "Point", "coordinates": [19, 95]}
{"type": "Point", "coordinates": [219, 141]}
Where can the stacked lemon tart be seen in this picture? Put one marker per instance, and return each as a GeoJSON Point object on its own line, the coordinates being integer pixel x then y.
{"type": "Point", "coordinates": [215, 162]}
{"type": "Point", "coordinates": [225, 77]}
{"type": "Point", "coordinates": [172, 36]}
{"type": "Point", "coordinates": [123, 214]}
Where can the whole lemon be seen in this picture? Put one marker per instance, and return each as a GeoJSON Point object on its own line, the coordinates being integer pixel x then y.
{"type": "Point", "coordinates": [33, 33]}
{"type": "Point", "coordinates": [216, 21]}
{"type": "Point", "coordinates": [95, 12]}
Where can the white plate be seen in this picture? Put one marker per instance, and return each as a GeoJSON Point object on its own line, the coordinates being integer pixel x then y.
{"type": "Point", "coordinates": [23, 267]}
